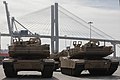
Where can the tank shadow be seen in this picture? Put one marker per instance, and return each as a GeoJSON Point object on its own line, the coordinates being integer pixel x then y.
{"type": "Point", "coordinates": [30, 77]}
{"type": "Point", "coordinates": [98, 77]}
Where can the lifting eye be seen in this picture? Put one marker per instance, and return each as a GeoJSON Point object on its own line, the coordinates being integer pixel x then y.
{"type": "Point", "coordinates": [74, 43]}
{"type": "Point", "coordinates": [79, 43]}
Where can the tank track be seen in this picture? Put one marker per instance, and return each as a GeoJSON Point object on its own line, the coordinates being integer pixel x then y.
{"type": "Point", "coordinates": [113, 68]}
{"type": "Point", "coordinates": [9, 69]}
{"type": "Point", "coordinates": [73, 72]}
{"type": "Point", "coordinates": [105, 72]}
{"type": "Point", "coordinates": [47, 71]}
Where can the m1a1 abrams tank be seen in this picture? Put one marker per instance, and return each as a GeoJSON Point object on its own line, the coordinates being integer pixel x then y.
{"type": "Point", "coordinates": [28, 56]}
{"type": "Point", "coordinates": [88, 57]}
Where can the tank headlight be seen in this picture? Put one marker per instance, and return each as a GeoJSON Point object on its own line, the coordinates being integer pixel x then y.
{"type": "Point", "coordinates": [106, 63]}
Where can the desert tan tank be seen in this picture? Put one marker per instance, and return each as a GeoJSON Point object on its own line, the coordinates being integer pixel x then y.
{"type": "Point", "coordinates": [28, 56]}
{"type": "Point", "coordinates": [89, 56]}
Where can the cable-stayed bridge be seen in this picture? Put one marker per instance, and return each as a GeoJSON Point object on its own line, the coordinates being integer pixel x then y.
{"type": "Point", "coordinates": [44, 23]}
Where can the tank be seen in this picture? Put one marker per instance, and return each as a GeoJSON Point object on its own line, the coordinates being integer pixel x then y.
{"type": "Point", "coordinates": [28, 55]}
{"type": "Point", "coordinates": [90, 56]}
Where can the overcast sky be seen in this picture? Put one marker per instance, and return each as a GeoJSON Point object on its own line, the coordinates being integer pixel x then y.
{"type": "Point", "coordinates": [105, 14]}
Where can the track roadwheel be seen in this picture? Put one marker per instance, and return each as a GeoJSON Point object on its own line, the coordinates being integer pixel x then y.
{"type": "Point", "coordinates": [113, 68]}
{"type": "Point", "coordinates": [47, 71]}
{"type": "Point", "coordinates": [9, 69]}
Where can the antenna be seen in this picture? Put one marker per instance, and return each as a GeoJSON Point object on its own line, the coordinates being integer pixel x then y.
{"type": "Point", "coordinates": [90, 28]}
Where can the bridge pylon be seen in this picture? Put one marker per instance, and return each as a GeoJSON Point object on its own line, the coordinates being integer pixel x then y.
{"type": "Point", "coordinates": [54, 29]}
{"type": "Point", "coordinates": [114, 49]}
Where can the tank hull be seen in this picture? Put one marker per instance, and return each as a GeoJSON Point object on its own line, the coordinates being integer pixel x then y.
{"type": "Point", "coordinates": [74, 67]}
{"type": "Point", "coordinates": [12, 66]}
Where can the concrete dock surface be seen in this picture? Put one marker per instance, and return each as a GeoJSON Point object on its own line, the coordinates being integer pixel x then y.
{"type": "Point", "coordinates": [57, 75]}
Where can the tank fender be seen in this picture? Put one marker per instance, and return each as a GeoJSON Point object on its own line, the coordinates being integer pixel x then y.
{"type": "Point", "coordinates": [8, 60]}
{"type": "Point", "coordinates": [48, 61]}
{"type": "Point", "coordinates": [114, 60]}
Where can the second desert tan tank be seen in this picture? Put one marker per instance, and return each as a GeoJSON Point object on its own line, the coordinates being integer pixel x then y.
{"type": "Point", "coordinates": [89, 56]}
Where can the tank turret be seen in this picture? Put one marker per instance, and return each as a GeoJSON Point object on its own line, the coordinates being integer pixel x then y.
{"type": "Point", "coordinates": [88, 50]}
{"type": "Point", "coordinates": [31, 49]}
